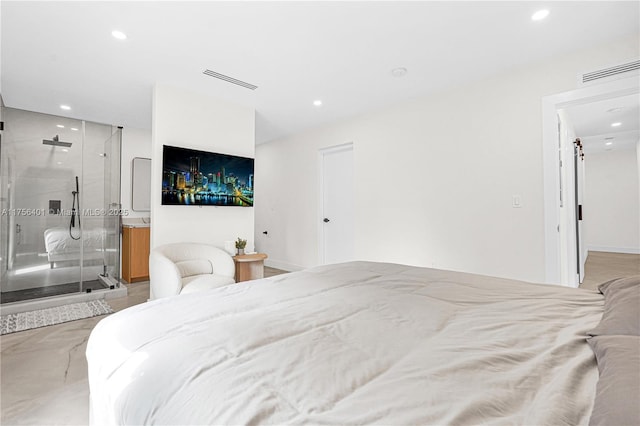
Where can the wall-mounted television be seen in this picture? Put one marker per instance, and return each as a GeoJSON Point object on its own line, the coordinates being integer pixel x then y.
{"type": "Point", "coordinates": [201, 178]}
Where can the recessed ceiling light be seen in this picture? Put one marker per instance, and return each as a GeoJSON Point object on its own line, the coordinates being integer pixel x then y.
{"type": "Point", "coordinates": [399, 72]}
{"type": "Point", "coordinates": [616, 124]}
{"type": "Point", "coordinates": [75, 129]}
{"type": "Point", "coordinates": [60, 126]}
{"type": "Point", "coordinates": [616, 109]}
{"type": "Point", "coordinates": [539, 15]}
{"type": "Point", "coordinates": [65, 107]}
{"type": "Point", "coordinates": [59, 163]}
{"type": "Point", "coordinates": [65, 149]}
{"type": "Point", "coordinates": [317, 102]}
{"type": "Point", "coordinates": [119, 35]}
{"type": "Point", "coordinates": [608, 143]}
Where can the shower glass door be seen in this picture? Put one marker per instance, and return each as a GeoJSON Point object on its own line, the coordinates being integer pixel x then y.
{"type": "Point", "coordinates": [53, 238]}
{"type": "Point", "coordinates": [111, 201]}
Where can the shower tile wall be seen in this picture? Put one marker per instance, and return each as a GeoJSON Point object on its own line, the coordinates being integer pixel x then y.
{"type": "Point", "coordinates": [39, 173]}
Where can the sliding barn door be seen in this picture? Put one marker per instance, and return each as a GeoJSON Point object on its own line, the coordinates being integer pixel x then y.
{"type": "Point", "coordinates": [581, 254]}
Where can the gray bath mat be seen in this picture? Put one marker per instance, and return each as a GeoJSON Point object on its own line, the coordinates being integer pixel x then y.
{"type": "Point", "coordinates": [50, 316]}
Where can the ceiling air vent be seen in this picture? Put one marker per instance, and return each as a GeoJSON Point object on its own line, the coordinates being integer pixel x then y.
{"type": "Point", "coordinates": [229, 79]}
{"type": "Point", "coordinates": [611, 73]}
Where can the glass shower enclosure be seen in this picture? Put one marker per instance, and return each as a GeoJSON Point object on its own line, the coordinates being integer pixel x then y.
{"type": "Point", "coordinates": [59, 204]}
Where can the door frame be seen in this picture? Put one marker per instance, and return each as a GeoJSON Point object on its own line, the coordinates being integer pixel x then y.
{"type": "Point", "coordinates": [320, 212]}
{"type": "Point", "coordinates": [550, 162]}
{"type": "Point", "coordinates": [578, 191]}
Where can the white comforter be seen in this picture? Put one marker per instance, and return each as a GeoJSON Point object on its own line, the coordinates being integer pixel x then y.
{"type": "Point", "coordinates": [357, 343]}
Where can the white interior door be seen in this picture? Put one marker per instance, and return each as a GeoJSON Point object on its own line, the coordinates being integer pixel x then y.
{"type": "Point", "coordinates": [337, 206]}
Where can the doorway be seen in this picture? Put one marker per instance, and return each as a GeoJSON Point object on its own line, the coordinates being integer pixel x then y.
{"type": "Point", "coordinates": [562, 255]}
{"type": "Point", "coordinates": [336, 218]}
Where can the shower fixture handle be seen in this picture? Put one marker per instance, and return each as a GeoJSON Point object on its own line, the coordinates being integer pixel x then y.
{"type": "Point", "coordinates": [75, 210]}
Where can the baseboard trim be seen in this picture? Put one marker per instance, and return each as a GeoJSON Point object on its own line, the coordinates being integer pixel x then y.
{"type": "Point", "coordinates": [289, 267]}
{"type": "Point", "coordinates": [625, 250]}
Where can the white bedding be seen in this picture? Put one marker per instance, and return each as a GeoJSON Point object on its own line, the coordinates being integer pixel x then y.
{"type": "Point", "coordinates": [356, 343]}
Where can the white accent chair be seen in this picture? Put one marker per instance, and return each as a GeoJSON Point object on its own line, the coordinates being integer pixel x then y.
{"type": "Point", "coordinates": [181, 268]}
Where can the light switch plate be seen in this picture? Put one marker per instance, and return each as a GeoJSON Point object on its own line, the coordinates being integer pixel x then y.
{"type": "Point", "coordinates": [517, 202]}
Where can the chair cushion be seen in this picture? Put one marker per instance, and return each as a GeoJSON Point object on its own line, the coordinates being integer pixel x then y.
{"type": "Point", "coordinates": [204, 282]}
{"type": "Point", "coordinates": [189, 268]}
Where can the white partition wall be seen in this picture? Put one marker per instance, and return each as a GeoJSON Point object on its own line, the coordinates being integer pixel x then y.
{"type": "Point", "coordinates": [191, 120]}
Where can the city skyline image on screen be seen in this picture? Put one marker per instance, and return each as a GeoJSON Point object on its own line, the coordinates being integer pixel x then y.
{"type": "Point", "coordinates": [193, 177]}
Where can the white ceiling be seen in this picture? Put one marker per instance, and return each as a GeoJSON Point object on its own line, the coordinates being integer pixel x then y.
{"type": "Point", "coordinates": [295, 52]}
{"type": "Point", "coordinates": [592, 123]}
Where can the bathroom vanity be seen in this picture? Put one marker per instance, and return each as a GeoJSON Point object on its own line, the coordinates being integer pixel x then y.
{"type": "Point", "coordinates": [135, 252]}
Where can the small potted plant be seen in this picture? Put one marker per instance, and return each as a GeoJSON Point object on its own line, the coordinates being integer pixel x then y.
{"type": "Point", "coordinates": [240, 245]}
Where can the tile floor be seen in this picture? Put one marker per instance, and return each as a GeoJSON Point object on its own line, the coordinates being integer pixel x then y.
{"type": "Point", "coordinates": [30, 270]}
{"type": "Point", "coordinates": [50, 290]}
{"type": "Point", "coordinates": [43, 372]}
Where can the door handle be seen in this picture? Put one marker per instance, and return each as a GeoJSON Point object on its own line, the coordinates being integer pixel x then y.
{"type": "Point", "coordinates": [326, 220]}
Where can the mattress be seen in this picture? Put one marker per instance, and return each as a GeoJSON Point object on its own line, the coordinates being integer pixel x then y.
{"type": "Point", "coordinates": [354, 343]}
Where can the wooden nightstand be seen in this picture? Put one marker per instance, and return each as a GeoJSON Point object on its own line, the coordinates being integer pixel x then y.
{"type": "Point", "coordinates": [249, 266]}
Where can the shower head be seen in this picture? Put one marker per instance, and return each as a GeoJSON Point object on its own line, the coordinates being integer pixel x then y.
{"type": "Point", "coordinates": [56, 142]}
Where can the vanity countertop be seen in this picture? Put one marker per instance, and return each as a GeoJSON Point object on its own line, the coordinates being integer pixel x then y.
{"type": "Point", "coordinates": [136, 222]}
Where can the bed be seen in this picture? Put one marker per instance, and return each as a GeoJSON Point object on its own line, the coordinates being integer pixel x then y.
{"type": "Point", "coordinates": [353, 343]}
{"type": "Point", "coordinates": [61, 247]}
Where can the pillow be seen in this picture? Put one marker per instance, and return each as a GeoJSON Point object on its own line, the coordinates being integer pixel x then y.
{"type": "Point", "coordinates": [189, 268]}
{"type": "Point", "coordinates": [621, 307]}
{"type": "Point", "coordinates": [618, 388]}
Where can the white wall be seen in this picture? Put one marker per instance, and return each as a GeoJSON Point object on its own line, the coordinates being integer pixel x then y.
{"type": "Point", "coordinates": [638, 158]}
{"type": "Point", "coordinates": [135, 143]}
{"type": "Point", "coordinates": [187, 119]}
{"type": "Point", "coordinates": [434, 177]}
{"type": "Point", "coordinates": [612, 209]}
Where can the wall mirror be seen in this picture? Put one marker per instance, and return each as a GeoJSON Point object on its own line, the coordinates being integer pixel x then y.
{"type": "Point", "coordinates": [141, 184]}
